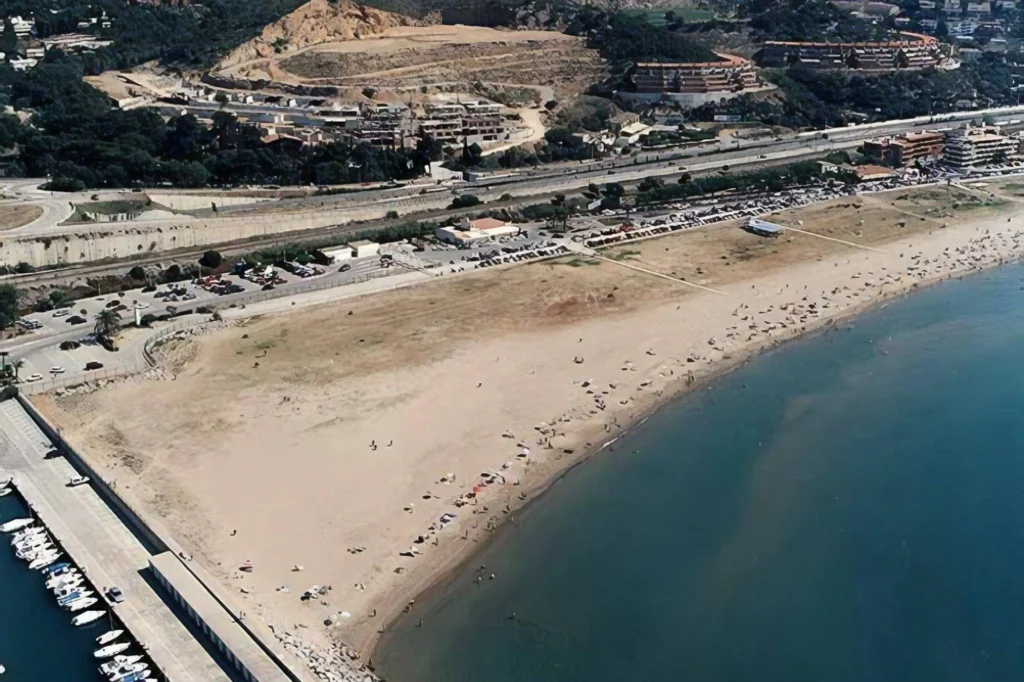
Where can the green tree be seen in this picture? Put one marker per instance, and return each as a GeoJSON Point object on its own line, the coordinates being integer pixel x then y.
{"type": "Point", "coordinates": [60, 298]}
{"type": "Point", "coordinates": [10, 39]}
{"type": "Point", "coordinates": [563, 209]}
{"type": "Point", "coordinates": [8, 306]}
{"type": "Point", "coordinates": [17, 365]}
{"type": "Point", "coordinates": [108, 324]}
{"type": "Point", "coordinates": [211, 260]}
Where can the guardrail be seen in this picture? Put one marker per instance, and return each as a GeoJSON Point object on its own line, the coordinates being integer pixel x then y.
{"type": "Point", "coordinates": [37, 387]}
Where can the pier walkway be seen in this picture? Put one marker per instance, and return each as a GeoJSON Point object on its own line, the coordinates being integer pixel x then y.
{"type": "Point", "coordinates": [102, 546]}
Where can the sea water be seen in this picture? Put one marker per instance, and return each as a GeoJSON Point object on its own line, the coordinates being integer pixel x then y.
{"type": "Point", "coordinates": [37, 640]}
{"type": "Point", "coordinates": [849, 507]}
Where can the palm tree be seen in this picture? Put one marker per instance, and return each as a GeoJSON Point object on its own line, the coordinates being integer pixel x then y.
{"type": "Point", "coordinates": [17, 365]}
{"type": "Point", "coordinates": [108, 323]}
{"type": "Point", "coordinates": [562, 209]}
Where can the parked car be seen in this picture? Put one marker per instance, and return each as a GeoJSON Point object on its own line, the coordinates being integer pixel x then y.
{"type": "Point", "coordinates": [345, 268]}
{"type": "Point", "coordinates": [33, 377]}
{"type": "Point", "coordinates": [76, 319]}
{"type": "Point", "coordinates": [89, 366]}
{"type": "Point", "coordinates": [62, 312]}
{"type": "Point", "coordinates": [56, 369]}
{"type": "Point", "coordinates": [69, 345]}
{"type": "Point", "coordinates": [115, 595]}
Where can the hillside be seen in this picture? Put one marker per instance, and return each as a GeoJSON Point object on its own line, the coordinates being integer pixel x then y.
{"type": "Point", "coordinates": [316, 22]}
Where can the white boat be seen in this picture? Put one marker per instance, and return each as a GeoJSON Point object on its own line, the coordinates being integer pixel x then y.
{"type": "Point", "coordinates": [44, 560]}
{"type": "Point", "coordinates": [130, 672]}
{"type": "Point", "coordinates": [111, 650]}
{"type": "Point", "coordinates": [30, 553]}
{"type": "Point", "coordinates": [4, 492]}
{"type": "Point", "coordinates": [132, 677]}
{"type": "Point", "coordinates": [26, 533]}
{"type": "Point", "coordinates": [16, 524]}
{"type": "Point", "coordinates": [78, 592]}
{"type": "Point", "coordinates": [80, 604]}
{"type": "Point", "coordinates": [2, 670]}
{"type": "Point", "coordinates": [87, 617]}
{"type": "Point", "coordinates": [31, 543]}
{"type": "Point", "coordinates": [62, 576]}
{"type": "Point", "coordinates": [118, 662]}
{"type": "Point", "coordinates": [108, 637]}
{"type": "Point", "coordinates": [33, 553]}
{"type": "Point", "coordinates": [64, 582]}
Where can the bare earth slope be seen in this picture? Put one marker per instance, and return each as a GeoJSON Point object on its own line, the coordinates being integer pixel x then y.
{"type": "Point", "coordinates": [318, 21]}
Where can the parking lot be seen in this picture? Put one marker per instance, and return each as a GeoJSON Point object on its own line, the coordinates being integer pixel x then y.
{"type": "Point", "coordinates": [689, 215]}
{"type": "Point", "coordinates": [78, 319]}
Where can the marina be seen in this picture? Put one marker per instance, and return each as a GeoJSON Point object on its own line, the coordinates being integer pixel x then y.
{"type": "Point", "coordinates": [87, 548]}
{"type": "Point", "coordinates": [34, 545]}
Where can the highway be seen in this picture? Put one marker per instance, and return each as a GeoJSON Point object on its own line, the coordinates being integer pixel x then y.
{"type": "Point", "coordinates": [337, 215]}
{"type": "Point", "coordinates": [703, 157]}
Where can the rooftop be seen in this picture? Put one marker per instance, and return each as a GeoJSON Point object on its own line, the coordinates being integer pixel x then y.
{"type": "Point", "coordinates": [486, 223]}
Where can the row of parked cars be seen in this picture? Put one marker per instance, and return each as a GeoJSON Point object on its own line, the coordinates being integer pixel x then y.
{"type": "Point", "coordinates": [535, 251]}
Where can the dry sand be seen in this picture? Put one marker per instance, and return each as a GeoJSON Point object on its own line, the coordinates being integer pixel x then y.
{"type": "Point", "coordinates": [342, 435]}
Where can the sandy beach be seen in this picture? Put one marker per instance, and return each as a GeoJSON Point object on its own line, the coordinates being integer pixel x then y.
{"type": "Point", "coordinates": [375, 442]}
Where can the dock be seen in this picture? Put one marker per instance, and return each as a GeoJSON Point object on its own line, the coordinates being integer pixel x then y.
{"type": "Point", "coordinates": [102, 546]}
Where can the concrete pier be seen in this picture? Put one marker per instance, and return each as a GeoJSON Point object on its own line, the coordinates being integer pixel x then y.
{"type": "Point", "coordinates": [101, 545]}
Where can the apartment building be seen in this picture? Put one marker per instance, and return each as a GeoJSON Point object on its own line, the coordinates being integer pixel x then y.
{"type": "Point", "coordinates": [23, 27]}
{"type": "Point", "coordinates": [464, 122]}
{"type": "Point", "coordinates": [966, 147]}
{"type": "Point", "coordinates": [979, 10]}
{"type": "Point", "coordinates": [904, 150]}
{"type": "Point", "coordinates": [917, 52]}
{"type": "Point", "coordinates": [731, 75]}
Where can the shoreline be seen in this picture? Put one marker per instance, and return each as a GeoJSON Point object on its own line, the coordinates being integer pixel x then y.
{"type": "Point", "coordinates": [439, 577]}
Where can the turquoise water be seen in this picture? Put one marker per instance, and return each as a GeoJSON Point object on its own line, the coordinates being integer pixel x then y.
{"type": "Point", "coordinates": [37, 640]}
{"type": "Point", "coordinates": [849, 507]}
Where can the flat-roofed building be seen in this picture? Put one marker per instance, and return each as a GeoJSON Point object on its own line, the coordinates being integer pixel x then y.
{"type": "Point", "coordinates": [966, 147]}
{"type": "Point", "coordinates": [732, 74]}
{"type": "Point", "coordinates": [903, 150]}
{"type": "Point", "coordinates": [916, 51]}
{"type": "Point", "coordinates": [364, 248]}
{"type": "Point", "coordinates": [471, 231]}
